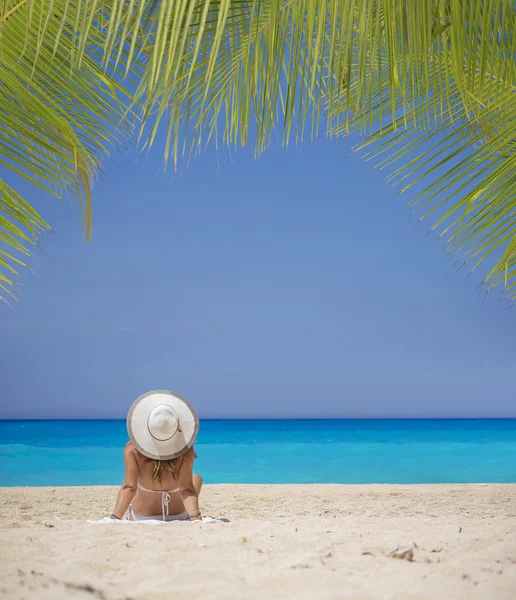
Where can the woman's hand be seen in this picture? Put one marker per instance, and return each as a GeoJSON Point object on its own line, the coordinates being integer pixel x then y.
{"type": "Point", "coordinates": [196, 516]}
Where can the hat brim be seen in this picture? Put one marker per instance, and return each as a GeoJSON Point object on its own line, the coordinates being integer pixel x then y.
{"type": "Point", "coordinates": [140, 435]}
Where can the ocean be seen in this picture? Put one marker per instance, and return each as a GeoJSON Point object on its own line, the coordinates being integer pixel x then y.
{"type": "Point", "coordinates": [37, 453]}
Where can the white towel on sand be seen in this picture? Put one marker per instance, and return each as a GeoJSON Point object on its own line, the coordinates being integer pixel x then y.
{"type": "Point", "coordinates": [109, 521]}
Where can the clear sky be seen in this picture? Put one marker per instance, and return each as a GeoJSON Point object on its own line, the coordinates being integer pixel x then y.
{"type": "Point", "coordinates": [292, 286]}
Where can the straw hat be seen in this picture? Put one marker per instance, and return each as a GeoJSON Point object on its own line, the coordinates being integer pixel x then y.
{"type": "Point", "coordinates": [162, 425]}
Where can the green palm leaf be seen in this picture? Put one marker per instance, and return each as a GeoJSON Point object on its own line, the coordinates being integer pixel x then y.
{"type": "Point", "coordinates": [57, 124]}
{"type": "Point", "coordinates": [429, 84]}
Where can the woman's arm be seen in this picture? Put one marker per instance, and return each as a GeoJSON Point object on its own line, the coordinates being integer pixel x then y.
{"type": "Point", "coordinates": [186, 486]}
{"type": "Point", "coordinates": [128, 489]}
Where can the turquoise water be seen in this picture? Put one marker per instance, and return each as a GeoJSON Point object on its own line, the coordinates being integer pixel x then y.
{"type": "Point", "coordinates": [286, 451]}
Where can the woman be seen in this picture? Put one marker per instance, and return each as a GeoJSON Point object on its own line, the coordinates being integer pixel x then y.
{"type": "Point", "coordinates": [159, 482]}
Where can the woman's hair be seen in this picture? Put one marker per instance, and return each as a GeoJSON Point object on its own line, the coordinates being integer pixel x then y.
{"type": "Point", "coordinates": [160, 467]}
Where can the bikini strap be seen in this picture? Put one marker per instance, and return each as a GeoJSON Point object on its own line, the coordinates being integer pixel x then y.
{"type": "Point", "coordinates": [143, 489]}
{"type": "Point", "coordinates": [165, 498]}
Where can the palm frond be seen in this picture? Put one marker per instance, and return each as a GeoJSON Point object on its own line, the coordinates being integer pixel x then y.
{"type": "Point", "coordinates": [458, 139]}
{"type": "Point", "coordinates": [429, 82]}
{"type": "Point", "coordinates": [56, 125]}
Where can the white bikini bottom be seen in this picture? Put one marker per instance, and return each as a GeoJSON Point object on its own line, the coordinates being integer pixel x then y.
{"type": "Point", "coordinates": [165, 500]}
{"type": "Point", "coordinates": [134, 516]}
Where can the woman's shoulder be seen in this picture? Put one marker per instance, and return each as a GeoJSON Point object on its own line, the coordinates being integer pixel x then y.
{"type": "Point", "coordinates": [190, 454]}
{"type": "Point", "coordinates": [130, 450]}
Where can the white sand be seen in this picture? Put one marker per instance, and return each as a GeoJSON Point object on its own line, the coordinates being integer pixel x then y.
{"type": "Point", "coordinates": [283, 541]}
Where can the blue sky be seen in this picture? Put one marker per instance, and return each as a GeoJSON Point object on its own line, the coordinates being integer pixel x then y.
{"type": "Point", "coordinates": [292, 286]}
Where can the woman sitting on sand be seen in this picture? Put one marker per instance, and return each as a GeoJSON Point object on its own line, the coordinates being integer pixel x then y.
{"type": "Point", "coordinates": [159, 482]}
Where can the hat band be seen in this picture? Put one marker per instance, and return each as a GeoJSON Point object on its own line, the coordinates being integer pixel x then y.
{"type": "Point", "coordinates": [159, 439]}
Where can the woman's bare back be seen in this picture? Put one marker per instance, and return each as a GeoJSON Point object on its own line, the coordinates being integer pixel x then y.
{"type": "Point", "coordinates": [150, 503]}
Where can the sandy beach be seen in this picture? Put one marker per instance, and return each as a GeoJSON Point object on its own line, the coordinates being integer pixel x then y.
{"type": "Point", "coordinates": [281, 541]}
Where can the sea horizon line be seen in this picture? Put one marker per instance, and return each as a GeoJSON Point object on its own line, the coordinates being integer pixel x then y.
{"type": "Point", "coordinates": [270, 419]}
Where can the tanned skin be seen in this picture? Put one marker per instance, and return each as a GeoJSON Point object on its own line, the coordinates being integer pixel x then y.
{"type": "Point", "coordinates": [138, 469]}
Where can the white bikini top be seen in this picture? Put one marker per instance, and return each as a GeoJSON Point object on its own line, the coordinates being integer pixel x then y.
{"type": "Point", "coordinates": [165, 497]}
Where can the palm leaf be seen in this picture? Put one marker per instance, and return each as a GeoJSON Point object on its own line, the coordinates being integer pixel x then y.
{"type": "Point", "coordinates": [429, 83]}
{"type": "Point", "coordinates": [57, 123]}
